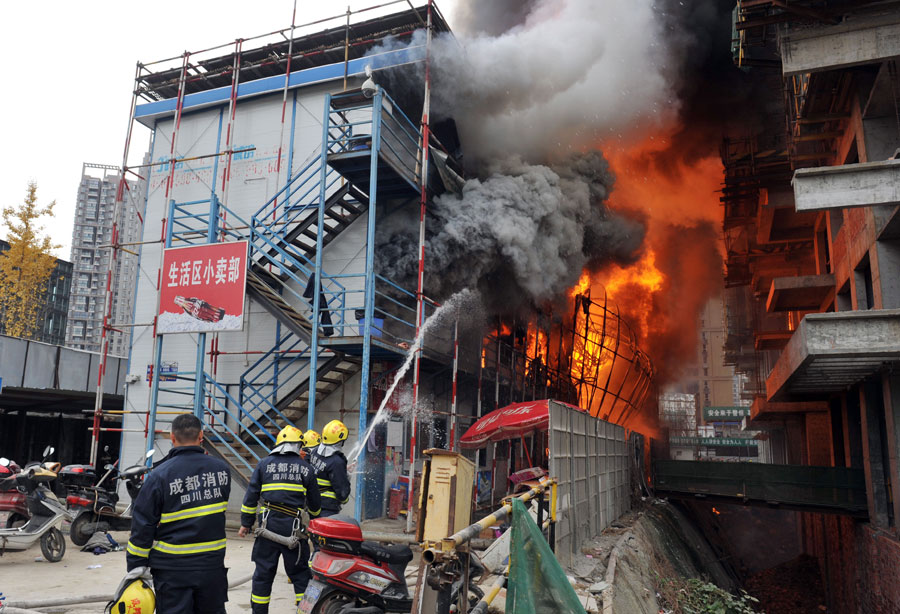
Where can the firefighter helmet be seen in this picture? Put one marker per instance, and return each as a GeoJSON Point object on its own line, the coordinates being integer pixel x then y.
{"type": "Point", "coordinates": [289, 434]}
{"type": "Point", "coordinates": [311, 439]}
{"type": "Point", "coordinates": [136, 597]}
{"type": "Point", "coordinates": [334, 432]}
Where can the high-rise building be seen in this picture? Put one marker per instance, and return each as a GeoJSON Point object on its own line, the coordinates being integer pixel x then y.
{"type": "Point", "coordinates": [55, 303]}
{"type": "Point", "coordinates": [95, 209]}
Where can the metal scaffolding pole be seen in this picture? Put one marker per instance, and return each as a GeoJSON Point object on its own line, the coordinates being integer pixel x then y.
{"type": "Point", "coordinates": [107, 302]}
{"type": "Point", "coordinates": [167, 233]}
{"type": "Point", "coordinates": [420, 305]}
{"type": "Point", "coordinates": [369, 297]}
{"type": "Point", "coordinates": [453, 402]}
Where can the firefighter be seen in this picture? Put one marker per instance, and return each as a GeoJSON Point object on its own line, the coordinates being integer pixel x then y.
{"type": "Point", "coordinates": [311, 441]}
{"type": "Point", "coordinates": [282, 485]}
{"type": "Point", "coordinates": [178, 525]}
{"type": "Point", "coordinates": [331, 468]}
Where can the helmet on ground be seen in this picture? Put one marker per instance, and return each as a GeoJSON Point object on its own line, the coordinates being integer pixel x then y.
{"type": "Point", "coordinates": [334, 432]}
{"type": "Point", "coordinates": [311, 439]}
{"type": "Point", "coordinates": [137, 597]}
{"type": "Point", "coordinates": [289, 434]}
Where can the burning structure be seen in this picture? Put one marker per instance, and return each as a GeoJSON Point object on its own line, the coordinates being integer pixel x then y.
{"type": "Point", "coordinates": [337, 156]}
{"type": "Point", "coordinates": [813, 263]}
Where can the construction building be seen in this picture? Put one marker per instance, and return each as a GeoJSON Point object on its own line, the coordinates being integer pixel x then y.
{"type": "Point", "coordinates": [54, 303]}
{"type": "Point", "coordinates": [812, 234]}
{"type": "Point", "coordinates": [281, 141]}
{"type": "Point", "coordinates": [95, 210]}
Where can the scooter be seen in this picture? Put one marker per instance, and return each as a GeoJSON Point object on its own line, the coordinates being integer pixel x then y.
{"type": "Point", "coordinates": [99, 513]}
{"type": "Point", "coordinates": [352, 576]}
{"type": "Point", "coordinates": [47, 515]}
{"type": "Point", "coordinates": [11, 500]}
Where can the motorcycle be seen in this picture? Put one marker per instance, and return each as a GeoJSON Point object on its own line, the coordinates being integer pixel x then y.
{"type": "Point", "coordinates": [352, 576]}
{"type": "Point", "coordinates": [47, 514]}
{"type": "Point", "coordinates": [11, 500]}
{"type": "Point", "coordinates": [99, 512]}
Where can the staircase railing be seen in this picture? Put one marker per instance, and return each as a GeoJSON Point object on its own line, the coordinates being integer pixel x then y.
{"type": "Point", "coordinates": [220, 401]}
{"type": "Point", "coordinates": [280, 370]}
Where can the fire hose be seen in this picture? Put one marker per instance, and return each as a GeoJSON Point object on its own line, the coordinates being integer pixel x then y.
{"type": "Point", "coordinates": [23, 606]}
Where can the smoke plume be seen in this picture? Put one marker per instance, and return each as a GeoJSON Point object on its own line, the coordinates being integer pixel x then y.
{"type": "Point", "coordinates": [537, 88]}
{"type": "Point", "coordinates": [543, 78]}
{"type": "Point", "coordinates": [521, 234]}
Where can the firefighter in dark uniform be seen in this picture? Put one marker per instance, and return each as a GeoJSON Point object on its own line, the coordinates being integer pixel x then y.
{"type": "Point", "coordinates": [331, 468]}
{"type": "Point", "coordinates": [282, 485]}
{"type": "Point", "coordinates": [311, 441]}
{"type": "Point", "coordinates": [178, 525]}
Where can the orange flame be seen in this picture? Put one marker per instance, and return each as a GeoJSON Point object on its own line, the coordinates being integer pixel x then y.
{"type": "Point", "coordinates": [584, 282]}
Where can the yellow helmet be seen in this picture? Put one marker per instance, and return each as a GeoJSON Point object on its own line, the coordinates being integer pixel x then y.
{"type": "Point", "coordinates": [137, 598]}
{"type": "Point", "coordinates": [334, 432]}
{"type": "Point", "coordinates": [289, 434]}
{"type": "Point", "coordinates": [311, 439]}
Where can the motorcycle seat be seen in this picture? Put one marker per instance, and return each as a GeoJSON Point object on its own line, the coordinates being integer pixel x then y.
{"type": "Point", "coordinates": [397, 554]}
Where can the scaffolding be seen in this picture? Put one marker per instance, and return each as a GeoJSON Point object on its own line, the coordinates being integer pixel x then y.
{"type": "Point", "coordinates": [337, 330]}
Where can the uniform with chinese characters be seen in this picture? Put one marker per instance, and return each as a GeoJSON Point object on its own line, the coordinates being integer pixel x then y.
{"type": "Point", "coordinates": [178, 526]}
{"type": "Point", "coordinates": [282, 485]}
{"type": "Point", "coordinates": [331, 476]}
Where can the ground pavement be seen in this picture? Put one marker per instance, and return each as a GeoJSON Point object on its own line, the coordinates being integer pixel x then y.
{"type": "Point", "coordinates": [24, 578]}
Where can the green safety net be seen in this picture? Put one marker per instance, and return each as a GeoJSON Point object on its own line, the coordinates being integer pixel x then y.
{"type": "Point", "coordinates": [537, 584]}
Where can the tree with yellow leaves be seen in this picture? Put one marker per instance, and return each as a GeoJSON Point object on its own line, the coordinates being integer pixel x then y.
{"type": "Point", "coordinates": [26, 266]}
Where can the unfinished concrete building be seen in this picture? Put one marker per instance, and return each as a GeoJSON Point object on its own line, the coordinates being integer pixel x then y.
{"type": "Point", "coordinates": [812, 233]}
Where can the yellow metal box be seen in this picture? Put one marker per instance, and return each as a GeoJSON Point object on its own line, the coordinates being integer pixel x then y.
{"type": "Point", "coordinates": [445, 499]}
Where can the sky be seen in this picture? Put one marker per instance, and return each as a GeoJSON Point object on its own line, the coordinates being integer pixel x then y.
{"type": "Point", "coordinates": [68, 71]}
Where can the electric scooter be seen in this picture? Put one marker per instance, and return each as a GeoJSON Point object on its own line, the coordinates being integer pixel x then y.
{"type": "Point", "coordinates": [11, 500]}
{"type": "Point", "coordinates": [98, 504]}
{"type": "Point", "coordinates": [47, 514]}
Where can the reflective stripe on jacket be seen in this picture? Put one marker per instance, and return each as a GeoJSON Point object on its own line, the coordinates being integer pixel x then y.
{"type": "Point", "coordinates": [283, 479]}
{"type": "Point", "coordinates": [179, 515]}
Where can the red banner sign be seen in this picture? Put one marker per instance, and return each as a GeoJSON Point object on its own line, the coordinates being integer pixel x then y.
{"type": "Point", "coordinates": [202, 288]}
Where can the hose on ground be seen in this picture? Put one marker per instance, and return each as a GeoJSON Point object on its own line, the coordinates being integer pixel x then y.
{"type": "Point", "coordinates": [21, 606]}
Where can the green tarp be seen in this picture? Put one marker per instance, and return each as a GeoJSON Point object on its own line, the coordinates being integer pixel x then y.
{"type": "Point", "coordinates": [537, 584]}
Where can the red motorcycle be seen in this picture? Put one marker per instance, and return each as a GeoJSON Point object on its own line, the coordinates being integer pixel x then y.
{"type": "Point", "coordinates": [352, 576]}
{"type": "Point", "coordinates": [11, 500]}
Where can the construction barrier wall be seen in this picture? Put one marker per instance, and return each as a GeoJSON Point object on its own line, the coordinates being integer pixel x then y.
{"type": "Point", "coordinates": [590, 458]}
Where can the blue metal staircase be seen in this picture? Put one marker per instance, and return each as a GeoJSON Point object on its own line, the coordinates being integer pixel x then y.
{"type": "Point", "coordinates": [369, 150]}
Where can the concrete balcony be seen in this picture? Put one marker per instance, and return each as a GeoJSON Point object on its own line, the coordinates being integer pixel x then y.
{"type": "Point", "coordinates": [802, 293]}
{"type": "Point", "coordinates": [858, 40]}
{"type": "Point", "coordinates": [829, 352]}
{"type": "Point", "coordinates": [850, 185]}
{"type": "Point", "coordinates": [764, 410]}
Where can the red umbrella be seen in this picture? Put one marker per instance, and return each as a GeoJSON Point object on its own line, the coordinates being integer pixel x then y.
{"type": "Point", "coordinates": [509, 423]}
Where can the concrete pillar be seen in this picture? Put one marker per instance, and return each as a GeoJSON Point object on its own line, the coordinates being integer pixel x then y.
{"type": "Point", "coordinates": [853, 455]}
{"type": "Point", "coordinates": [796, 442]}
{"type": "Point", "coordinates": [871, 406]}
{"type": "Point", "coordinates": [880, 136]}
{"type": "Point", "coordinates": [890, 383]}
{"type": "Point", "coordinates": [838, 454]}
{"type": "Point", "coordinates": [818, 438]}
{"type": "Point", "coordinates": [884, 258]}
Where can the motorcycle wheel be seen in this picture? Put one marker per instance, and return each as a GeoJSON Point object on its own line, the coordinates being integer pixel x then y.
{"type": "Point", "coordinates": [16, 520]}
{"type": "Point", "coordinates": [53, 545]}
{"type": "Point", "coordinates": [331, 604]}
{"type": "Point", "coordinates": [77, 533]}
